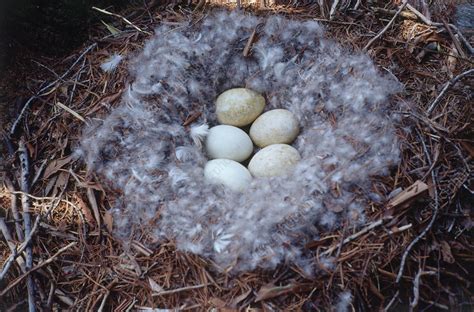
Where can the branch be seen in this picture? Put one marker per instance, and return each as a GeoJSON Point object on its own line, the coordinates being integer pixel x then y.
{"type": "Point", "coordinates": [123, 18]}
{"type": "Point", "coordinates": [45, 90]}
{"type": "Point", "coordinates": [405, 2]}
{"type": "Point", "coordinates": [433, 218]}
{"type": "Point", "coordinates": [37, 267]}
{"type": "Point", "coordinates": [416, 287]}
{"type": "Point", "coordinates": [352, 237]}
{"type": "Point", "coordinates": [25, 203]}
{"type": "Point", "coordinates": [14, 208]}
{"type": "Point", "coordinates": [446, 87]}
{"type": "Point", "coordinates": [22, 247]}
{"type": "Point", "coordinates": [9, 239]}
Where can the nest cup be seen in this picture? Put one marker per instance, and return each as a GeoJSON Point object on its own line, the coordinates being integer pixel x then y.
{"type": "Point", "coordinates": [145, 148]}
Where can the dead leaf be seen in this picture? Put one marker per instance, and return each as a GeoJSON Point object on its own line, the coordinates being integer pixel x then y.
{"type": "Point", "coordinates": [55, 165]}
{"type": "Point", "coordinates": [154, 286]}
{"type": "Point", "coordinates": [271, 291]}
{"type": "Point", "coordinates": [446, 252]}
{"type": "Point", "coordinates": [113, 30]}
{"type": "Point", "coordinates": [49, 186]}
{"type": "Point", "coordinates": [109, 221]}
{"type": "Point", "coordinates": [240, 298]}
{"type": "Point", "coordinates": [85, 211]}
{"type": "Point", "coordinates": [94, 206]}
{"type": "Point", "coordinates": [61, 183]}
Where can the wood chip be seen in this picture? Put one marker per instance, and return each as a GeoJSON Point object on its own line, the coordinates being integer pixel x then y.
{"type": "Point", "coordinates": [408, 194]}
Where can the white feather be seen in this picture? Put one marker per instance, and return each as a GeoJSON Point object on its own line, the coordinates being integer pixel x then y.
{"type": "Point", "coordinates": [198, 133]}
{"type": "Point", "coordinates": [111, 63]}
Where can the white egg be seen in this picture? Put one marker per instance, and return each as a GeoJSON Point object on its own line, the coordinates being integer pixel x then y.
{"type": "Point", "coordinates": [239, 107]}
{"type": "Point", "coordinates": [228, 173]}
{"type": "Point", "coordinates": [274, 160]}
{"type": "Point", "coordinates": [276, 126]}
{"type": "Point", "coordinates": [228, 142]}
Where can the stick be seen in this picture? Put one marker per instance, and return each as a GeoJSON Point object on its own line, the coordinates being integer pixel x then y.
{"type": "Point", "coordinates": [45, 90]}
{"type": "Point", "coordinates": [433, 218]}
{"type": "Point", "coordinates": [28, 239]}
{"type": "Point", "coordinates": [173, 291]}
{"type": "Point", "coordinates": [428, 22]}
{"type": "Point", "coordinates": [9, 239]}
{"type": "Point", "coordinates": [365, 230]}
{"type": "Point", "coordinates": [14, 207]}
{"type": "Point", "coordinates": [37, 267]}
{"type": "Point", "coordinates": [416, 287]}
{"type": "Point", "coordinates": [25, 203]}
{"type": "Point", "coordinates": [248, 46]}
{"type": "Point", "coordinates": [446, 87]}
{"type": "Point", "coordinates": [456, 42]}
{"type": "Point", "coordinates": [123, 18]}
{"type": "Point", "coordinates": [405, 2]}
{"type": "Point", "coordinates": [332, 12]}
{"type": "Point", "coordinates": [392, 301]}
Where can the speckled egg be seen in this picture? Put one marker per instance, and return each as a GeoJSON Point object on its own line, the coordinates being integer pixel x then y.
{"type": "Point", "coordinates": [278, 126]}
{"type": "Point", "coordinates": [228, 142]}
{"type": "Point", "coordinates": [227, 172]}
{"type": "Point", "coordinates": [239, 107]}
{"type": "Point", "coordinates": [274, 160]}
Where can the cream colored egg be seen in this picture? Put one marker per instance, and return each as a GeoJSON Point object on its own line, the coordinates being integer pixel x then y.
{"type": "Point", "coordinates": [228, 142]}
{"type": "Point", "coordinates": [274, 160]}
{"type": "Point", "coordinates": [239, 107]}
{"type": "Point", "coordinates": [277, 126]}
{"type": "Point", "coordinates": [227, 172]}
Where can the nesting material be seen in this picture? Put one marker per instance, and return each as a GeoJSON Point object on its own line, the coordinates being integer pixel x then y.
{"type": "Point", "coordinates": [278, 126]}
{"type": "Point", "coordinates": [143, 150]}
{"type": "Point", "coordinates": [239, 106]}
{"type": "Point", "coordinates": [228, 142]}
{"type": "Point", "coordinates": [228, 173]}
{"type": "Point", "coordinates": [274, 160]}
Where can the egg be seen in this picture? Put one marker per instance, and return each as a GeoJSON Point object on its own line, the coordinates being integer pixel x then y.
{"type": "Point", "coordinates": [228, 142]}
{"type": "Point", "coordinates": [239, 107]}
{"type": "Point", "coordinates": [277, 126]}
{"type": "Point", "coordinates": [274, 160]}
{"type": "Point", "coordinates": [227, 172]}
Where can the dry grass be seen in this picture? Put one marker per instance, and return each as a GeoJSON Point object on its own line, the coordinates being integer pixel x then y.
{"type": "Point", "coordinates": [428, 231]}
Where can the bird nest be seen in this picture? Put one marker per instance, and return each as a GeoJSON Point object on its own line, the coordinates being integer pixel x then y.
{"type": "Point", "coordinates": [378, 202]}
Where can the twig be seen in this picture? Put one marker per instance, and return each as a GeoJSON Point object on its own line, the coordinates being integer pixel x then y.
{"type": "Point", "coordinates": [420, 15]}
{"type": "Point", "coordinates": [173, 291]}
{"type": "Point", "coordinates": [405, 2]}
{"type": "Point", "coordinates": [429, 22]}
{"type": "Point", "coordinates": [332, 12]}
{"type": "Point", "coordinates": [416, 287]}
{"type": "Point", "coordinates": [456, 42]}
{"type": "Point", "coordinates": [352, 237]}
{"type": "Point", "coordinates": [25, 203]}
{"type": "Point", "coordinates": [356, 6]}
{"type": "Point", "coordinates": [49, 198]}
{"type": "Point", "coordinates": [45, 90]}
{"type": "Point", "coordinates": [121, 17]}
{"type": "Point", "coordinates": [14, 208]}
{"type": "Point", "coordinates": [37, 267]}
{"type": "Point", "coordinates": [392, 301]}
{"type": "Point", "coordinates": [71, 111]}
{"type": "Point", "coordinates": [446, 87]}
{"type": "Point", "coordinates": [11, 245]}
{"type": "Point", "coordinates": [248, 46]}
{"type": "Point", "coordinates": [433, 218]}
{"type": "Point", "coordinates": [28, 239]}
